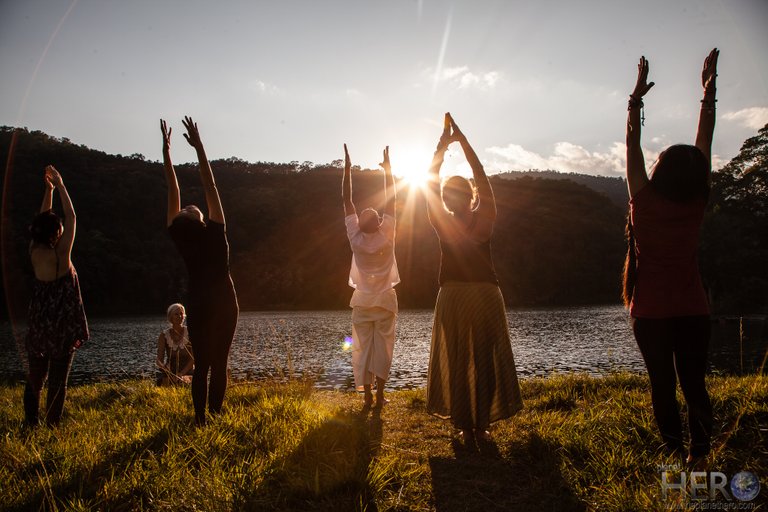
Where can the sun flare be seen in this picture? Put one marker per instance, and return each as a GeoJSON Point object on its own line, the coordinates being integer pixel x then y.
{"type": "Point", "coordinates": [412, 166]}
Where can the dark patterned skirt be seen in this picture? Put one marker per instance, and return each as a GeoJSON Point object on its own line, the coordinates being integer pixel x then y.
{"type": "Point", "coordinates": [472, 377]}
{"type": "Point", "coordinates": [56, 322]}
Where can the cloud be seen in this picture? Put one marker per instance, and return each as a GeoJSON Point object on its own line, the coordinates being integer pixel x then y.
{"type": "Point", "coordinates": [752, 117]}
{"type": "Point", "coordinates": [566, 157]}
{"type": "Point", "coordinates": [265, 88]}
{"type": "Point", "coordinates": [460, 77]}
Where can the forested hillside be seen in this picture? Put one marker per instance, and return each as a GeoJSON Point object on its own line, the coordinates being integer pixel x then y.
{"type": "Point", "coordinates": [556, 242]}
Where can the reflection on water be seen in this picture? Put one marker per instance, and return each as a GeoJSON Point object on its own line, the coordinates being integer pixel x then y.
{"type": "Point", "coordinates": [595, 340]}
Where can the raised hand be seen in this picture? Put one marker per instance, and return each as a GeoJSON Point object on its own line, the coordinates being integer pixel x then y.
{"type": "Point", "coordinates": [642, 86]}
{"type": "Point", "coordinates": [445, 137]}
{"type": "Point", "coordinates": [347, 160]}
{"type": "Point", "coordinates": [709, 71]}
{"type": "Point", "coordinates": [385, 164]}
{"type": "Point", "coordinates": [47, 180]}
{"type": "Point", "coordinates": [53, 177]}
{"type": "Point", "coordinates": [457, 134]}
{"type": "Point", "coordinates": [192, 135]}
{"type": "Point", "coordinates": [166, 135]}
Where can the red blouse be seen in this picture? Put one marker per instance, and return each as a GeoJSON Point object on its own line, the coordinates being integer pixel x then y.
{"type": "Point", "coordinates": [666, 243]}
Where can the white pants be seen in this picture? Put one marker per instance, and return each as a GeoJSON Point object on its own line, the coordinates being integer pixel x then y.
{"type": "Point", "coordinates": [373, 340]}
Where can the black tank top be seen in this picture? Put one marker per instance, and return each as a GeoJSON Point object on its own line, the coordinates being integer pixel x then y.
{"type": "Point", "coordinates": [466, 260]}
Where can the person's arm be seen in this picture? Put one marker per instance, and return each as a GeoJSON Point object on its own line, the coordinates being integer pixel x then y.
{"type": "Point", "coordinates": [436, 213]}
{"type": "Point", "coordinates": [48, 195]}
{"type": "Point", "coordinates": [215, 210]}
{"type": "Point", "coordinates": [161, 352]}
{"type": "Point", "coordinates": [636, 175]}
{"type": "Point", "coordinates": [346, 186]}
{"type": "Point", "coordinates": [390, 194]}
{"type": "Point", "coordinates": [67, 240]}
{"type": "Point", "coordinates": [174, 196]}
{"type": "Point", "coordinates": [706, 126]}
{"type": "Point", "coordinates": [486, 208]}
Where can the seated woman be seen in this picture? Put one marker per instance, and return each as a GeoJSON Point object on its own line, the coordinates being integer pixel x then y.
{"type": "Point", "coordinates": [174, 352]}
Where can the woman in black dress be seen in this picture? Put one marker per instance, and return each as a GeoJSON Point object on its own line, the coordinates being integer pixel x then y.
{"type": "Point", "coordinates": [212, 302]}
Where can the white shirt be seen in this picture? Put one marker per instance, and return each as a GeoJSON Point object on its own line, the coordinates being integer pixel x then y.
{"type": "Point", "coordinates": [373, 272]}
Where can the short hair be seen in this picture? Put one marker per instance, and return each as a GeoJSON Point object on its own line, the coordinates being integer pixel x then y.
{"type": "Point", "coordinates": [172, 309]}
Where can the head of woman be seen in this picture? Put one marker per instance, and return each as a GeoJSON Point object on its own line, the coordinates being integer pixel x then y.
{"type": "Point", "coordinates": [681, 174]}
{"type": "Point", "coordinates": [46, 229]}
{"type": "Point", "coordinates": [459, 194]}
{"type": "Point", "coordinates": [176, 314]}
{"type": "Point", "coordinates": [189, 221]}
{"type": "Point", "coordinates": [369, 220]}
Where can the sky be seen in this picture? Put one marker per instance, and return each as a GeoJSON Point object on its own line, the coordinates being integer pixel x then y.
{"type": "Point", "coordinates": [537, 84]}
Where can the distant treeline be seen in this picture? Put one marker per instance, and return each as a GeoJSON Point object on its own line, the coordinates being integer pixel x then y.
{"type": "Point", "coordinates": [556, 242]}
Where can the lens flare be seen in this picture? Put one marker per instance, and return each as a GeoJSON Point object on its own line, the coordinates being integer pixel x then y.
{"type": "Point", "coordinates": [347, 345]}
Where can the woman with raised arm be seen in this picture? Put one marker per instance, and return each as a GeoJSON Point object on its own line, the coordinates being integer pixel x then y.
{"type": "Point", "coordinates": [212, 302]}
{"type": "Point", "coordinates": [472, 377]}
{"type": "Point", "coordinates": [57, 323]}
{"type": "Point", "coordinates": [662, 285]}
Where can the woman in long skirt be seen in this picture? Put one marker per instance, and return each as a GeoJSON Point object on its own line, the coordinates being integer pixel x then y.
{"type": "Point", "coordinates": [472, 377]}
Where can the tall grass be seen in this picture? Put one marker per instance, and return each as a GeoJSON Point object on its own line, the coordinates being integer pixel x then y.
{"type": "Point", "coordinates": [581, 443]}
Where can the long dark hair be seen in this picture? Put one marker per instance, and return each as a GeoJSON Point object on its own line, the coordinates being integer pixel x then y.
{"type": "Point", "coordinates": [44, 229]}
{"type": "Point", "coordinates": [681, 174]}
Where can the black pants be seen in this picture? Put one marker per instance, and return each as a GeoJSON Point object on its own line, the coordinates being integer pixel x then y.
{"type": "Point", "coordinates": [57, 371]}
{"type": "Point", "coordinates": [676, 349]}
{"type": "Point", "coordinates": [210, 332]}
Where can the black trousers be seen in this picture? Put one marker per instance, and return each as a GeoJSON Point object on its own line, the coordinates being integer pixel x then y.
{"type": "Point", "coordinates": [211, 332]}
{"type": "Point", "coordinates": [676, 349]}
{"type": "Point", "coordinates": [56, 369]}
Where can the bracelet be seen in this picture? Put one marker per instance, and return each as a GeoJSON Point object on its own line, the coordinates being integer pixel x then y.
{"type": "Point", "coordinates": [708, 104]}
{"type": "Point", "coordinates": [635, 103]}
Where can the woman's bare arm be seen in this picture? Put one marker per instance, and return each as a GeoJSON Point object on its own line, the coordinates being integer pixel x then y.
{"type": "Point", "coordinates": [637, 178]}
{"type": "Point", "coordinates": [706, 127]}
{"type": "Point", "coordinates": [48, 195]}
{"type": "Point", "coordinates": [161, 351]}
{"type": "Point", "coordinates": [346, 185]}
{"type": "Point", "coordinates": [390, 194]}
{"type": "Point", "coordinates": [486, 208]}
{"type": "Point", "coordinates": [212, 199]}
{"type": "Point", "coordinates": [174, 196]}
{"type": "Point", "coordinates": [436, 212]}
{"type": "Point", "coordinates": [67, 240]}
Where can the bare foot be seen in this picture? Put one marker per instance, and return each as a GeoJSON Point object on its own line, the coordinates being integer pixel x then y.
{"type": "Point", "coordinates": [482, 435]}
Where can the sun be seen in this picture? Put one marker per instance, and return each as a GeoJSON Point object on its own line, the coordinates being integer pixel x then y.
{"type": "Point", "coordinates": [412, 166]}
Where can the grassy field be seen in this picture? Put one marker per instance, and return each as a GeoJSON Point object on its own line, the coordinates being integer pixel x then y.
{"type": "Point", "coordinates": [581, 443]}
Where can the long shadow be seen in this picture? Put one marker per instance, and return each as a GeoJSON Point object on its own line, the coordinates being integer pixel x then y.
{"type": "Point", "coordinates": [478, 478]}
{"type": "Point", "coordinates": [327, 471]}
{"type": "Point", "coordinates": [85, 482]}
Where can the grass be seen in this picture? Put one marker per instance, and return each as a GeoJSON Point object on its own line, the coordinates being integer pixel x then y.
{"type": "Point", "coordinates": [581, 443]}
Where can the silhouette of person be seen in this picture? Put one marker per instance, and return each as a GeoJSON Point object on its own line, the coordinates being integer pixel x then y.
{"type": "Point", "coordinates": [662, 285]}
{"type": "Point", "coordinates": [373, 274]}
{"type": "Point", "coordinates": [174, 351]}
{"type": "Point", "coordinates": [472, 377]}
{"type": "Point", "coordinates": [57, 324]}
{"type": "Point", "coordinates": [212, 301]}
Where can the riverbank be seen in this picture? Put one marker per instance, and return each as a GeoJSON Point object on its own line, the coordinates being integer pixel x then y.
{"type": "Point", "coordinates": [581, 443]}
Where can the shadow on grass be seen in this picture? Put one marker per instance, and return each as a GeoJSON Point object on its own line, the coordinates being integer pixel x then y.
{"type": "Point", "coordinates": [327, 471]}
{"type": "Point", "coordinates": [84, 483]}
{"type": "Point", "coordinates": [527, 477]}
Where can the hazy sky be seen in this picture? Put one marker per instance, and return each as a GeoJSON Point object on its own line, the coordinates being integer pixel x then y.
{"type": "Point", "coordinates": [533, 84]}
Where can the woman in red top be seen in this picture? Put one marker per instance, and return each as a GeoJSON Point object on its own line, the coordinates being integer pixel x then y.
{"type": "Point", "coordinates": [662, 285]}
